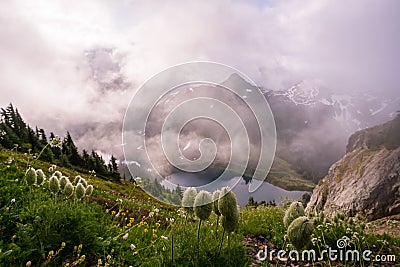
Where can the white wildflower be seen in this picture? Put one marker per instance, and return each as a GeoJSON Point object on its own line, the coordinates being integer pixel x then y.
{"type": "Point", "coordinates": [125, 236]}
{"type": "Point", "coordinates": [56, 142]}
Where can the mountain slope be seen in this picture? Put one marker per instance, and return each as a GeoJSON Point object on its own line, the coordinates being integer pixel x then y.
{"type": "Point", "coordinates": [367, 179]}
{"type": "Point", "coordinates": [313, 123]}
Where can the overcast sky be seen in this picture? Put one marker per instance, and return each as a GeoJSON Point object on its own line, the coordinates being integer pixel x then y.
{"type": "Point", "coordinates": [46, 52]}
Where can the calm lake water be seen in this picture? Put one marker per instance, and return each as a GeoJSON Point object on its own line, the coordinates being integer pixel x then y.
{"type": "Point", "coordinates": [266, 192]}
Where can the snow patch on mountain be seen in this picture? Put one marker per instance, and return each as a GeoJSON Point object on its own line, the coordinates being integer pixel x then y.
{"type": "Point", "coordinates": [355, 111]}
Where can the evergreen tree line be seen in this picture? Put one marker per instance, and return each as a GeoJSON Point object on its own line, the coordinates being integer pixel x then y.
{"type": "Point", "coordinates": [16, 134]}
{"type": "Point", "coordinates": [156, 189]}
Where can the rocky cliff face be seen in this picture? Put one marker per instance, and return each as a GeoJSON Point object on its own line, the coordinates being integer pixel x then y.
{"type": "Point", "coordinates": [367, 179]}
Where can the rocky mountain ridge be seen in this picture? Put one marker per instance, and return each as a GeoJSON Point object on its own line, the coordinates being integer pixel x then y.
{"type": "Point", "coordinates": [367, 179]}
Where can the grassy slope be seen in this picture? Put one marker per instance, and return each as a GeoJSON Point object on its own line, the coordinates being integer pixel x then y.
{"type": "Point", "coordinates": [107, 188]}
{"type": "Point", "coordinates": [283, 176]}
{"type": "Point", "coordinates": [37, 223]}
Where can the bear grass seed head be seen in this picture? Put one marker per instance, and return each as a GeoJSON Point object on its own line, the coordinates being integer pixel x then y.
{"type": "Point", "coordinates": [89, 190]}
{"type": "Point", "coordinates": [188, 199]}
{"type": "Point", "coordinates": [63, 181]}
{"type": "Point", "coordinates": [227, 203]}
{"type": "Point", "coordinates": [69, 189]}
{"type": "Point", "coordinates": [76, 180]}
{"type": "Point", "coordinates": [203, 205]}
{"type": "Point", "coordinates": [299, 232]}
{"type": "Point", "coordinates": [57, 174]}
{"type": "Point", "coordinates": [40, 177]}
{"type": "Point", "coordinates": [294, 211]}
{"type": "Point", "coordinates": [215, 198]}
{"type": "Point", "coordinates": [31, 176]}
{"type": "Point", "coordinates": [83, 182]}
{"type": "Point", "coordinates": [54, 184]}
{"type": "Point", "coordinates": [231, 222]}
{"type": "Point", "coordinates": [79, 191]}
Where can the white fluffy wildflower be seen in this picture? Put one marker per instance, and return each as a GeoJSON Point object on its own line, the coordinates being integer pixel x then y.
{"type": "Point", "coordinates": [55, 142]}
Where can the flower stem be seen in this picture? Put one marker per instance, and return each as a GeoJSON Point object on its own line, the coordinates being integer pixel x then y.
{"type": "Point", "coordinates": [220, 244]}
{"type": "Point", "coordinates": [216, 227]}
{"type": "Point", "coordinates": [198, 243]}
{"type": "Point", "coordinates": [172, 250]}
{"type": "Point", "coordinates": [229, 248]}
{"type": "Point", "coordinates": [41, 152]}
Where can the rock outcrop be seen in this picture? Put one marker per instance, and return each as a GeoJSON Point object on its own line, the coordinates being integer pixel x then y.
{"type": "Point", "coordinates": [367, 179]}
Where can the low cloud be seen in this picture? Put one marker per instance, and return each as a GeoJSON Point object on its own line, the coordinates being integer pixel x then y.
{"type": "Point", "coordinates": [45, 69]}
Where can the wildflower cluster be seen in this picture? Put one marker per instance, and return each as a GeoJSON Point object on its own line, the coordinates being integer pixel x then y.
{"type": "Point", "coordinates": [352, 230]}
{"type": "Point", "coordinates": [56, 142]}
{"type": "Point", "coordinates": [51, 255]}
{"type": "Point", "coordinates": [221, 202]}
{"type": "Point", "coordinates": [59, 184]}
